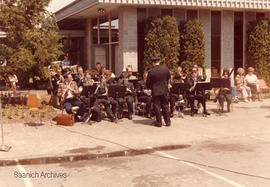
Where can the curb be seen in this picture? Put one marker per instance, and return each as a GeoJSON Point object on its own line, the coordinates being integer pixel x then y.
{"type": "Point", "coordinates": [80, 157]}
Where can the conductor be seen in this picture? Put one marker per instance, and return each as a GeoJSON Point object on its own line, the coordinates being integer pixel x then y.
{"type": "Point", "coordinates": [157, 81]}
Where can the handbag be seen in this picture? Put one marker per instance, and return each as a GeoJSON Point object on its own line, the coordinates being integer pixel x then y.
{"type": "Point", "coordinates": [65, 119]}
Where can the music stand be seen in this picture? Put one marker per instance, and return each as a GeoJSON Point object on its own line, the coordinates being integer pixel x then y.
{"type": "Point", "coordinates": [220, 83]}
{"type": "Point", "coordinates": [89, 90]}
{"type": "Point", "coordinates": [133, 81]}
{"type": "Point", "coordinates": [3, 147]}
{"type": "Point", "coordinates": [117, 91]}
{"type": "Point", "coordinates": [178, 87]}
{"type": "Point", "coordinates": [202, 86]}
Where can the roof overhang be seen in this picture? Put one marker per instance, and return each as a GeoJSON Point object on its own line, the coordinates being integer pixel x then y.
{"type": "Point", "coordinates": [81, 9]}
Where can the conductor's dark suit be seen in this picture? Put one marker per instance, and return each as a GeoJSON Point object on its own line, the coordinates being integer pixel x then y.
{"type": "Point", "coordinates": [157, 81]}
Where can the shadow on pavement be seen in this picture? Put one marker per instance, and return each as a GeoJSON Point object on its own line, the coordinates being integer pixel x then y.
{"type": "Point", "coordinates": [266, 107]}
{"type": "Point", "coordinates": [143, 121]}
{"type": "Point", "coordinates": [267, 116]}
{"type": "Point", "coordinates": [32, 124]}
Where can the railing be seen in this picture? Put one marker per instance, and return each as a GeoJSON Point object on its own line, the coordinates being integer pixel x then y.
{"type": "Point", "coordinates": [260, 4]}
{"type": "Point", "coordinates": [252, 4]}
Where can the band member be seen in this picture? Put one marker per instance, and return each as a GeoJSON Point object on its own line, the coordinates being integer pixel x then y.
{"type": "Point", "coordinates": [173, 97]}
{"type": "Point", "coordinates": [87, 79]}
{"type": "Point", "coordinates": [224, 93]}
{"type": "Point", "coordinates": [144, 94]}
{"type": "Point", "coordinates": [102, 97]}
{"type": "Point", "coordinates": [79, 76]}
{"type": "Point", "coordinates": [55, 80]}
{"type": "Point", "coordinates": [179, 74]}
{"type": "Point", "coordinates": [192, 80]}
{"type": "Point", "coordinates": [98, 68]}
{"type": "Point", "coordinates": [68, 93]}
{"type": "Point", "coordinates": [129, 97]}
{"type": "Point", "coordinates": [129, 71]}
{"type": "Point", "coordinates": [157, 81]}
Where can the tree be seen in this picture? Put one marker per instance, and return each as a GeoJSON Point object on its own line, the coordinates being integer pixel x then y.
{"type": "Point", "coordinates": [32, 40]}
{"type": "Point", "coordinates": [259, 48]}
{"type": "Point", "coordinates": [192, 45]}
{"type": "Point", "coordinates": [162, 40]}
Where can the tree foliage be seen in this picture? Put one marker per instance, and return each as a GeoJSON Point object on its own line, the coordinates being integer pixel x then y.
{"type": "Point", "coordinates": [32, 40]}
{"type": "Point", "coordinates": [192, 45]}
{"type": "Point", "coordinates": [259, 48]}
{"type": "Point", "coordinates": [162, 40]}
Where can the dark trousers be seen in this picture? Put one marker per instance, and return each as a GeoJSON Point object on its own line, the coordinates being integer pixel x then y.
{"type": "Point", "coordinates": [107, 104]}
{"type": "Point", "coordinates": [200, 98]}
{"type": "Point", "coordinates": [173, 99]}
{"type": "Point", "coordinates": [161, 101]}
{"type": "Point", "coordinates": [130, 100]}
{"type": "Point", "coordinates": [69, 103]}
{"type": "Point", "coordinates": [225, 96]}
{"type": "Point", "coordinates": [147, 100]}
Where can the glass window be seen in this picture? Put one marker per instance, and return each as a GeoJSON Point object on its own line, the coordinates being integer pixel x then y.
{"type": "Point", "coordinates": [215, 43]}
{"type": "Point", "coordinates": [165, 12]}
{"type": "Point", "coordinates": [192, 14]}
{"type": "Point", "coordinates": [260, 15]}
{"type": "Point", "coordinates": [238, 40]}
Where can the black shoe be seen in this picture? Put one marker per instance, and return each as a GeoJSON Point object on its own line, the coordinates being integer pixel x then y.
{"type": "Point", "coordinates": [157, 124]}
{"type": "Point", "coordinates": [113, 119]}
{"type": "Point", "coordinates": [119, 116]}
{"type": "Point", "coordinates": [191, 114]}
{"type": "Point", "coordinates": [171, 115]}
{"type": "Point", "coordinates": [130, 117]}
{"type": "Point", "coordinates": [206, 113]}
{"type": "Point", "coordinates": [168, 124]}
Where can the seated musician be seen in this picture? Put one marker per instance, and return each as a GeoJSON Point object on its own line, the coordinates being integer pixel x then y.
{"type": "Point", "coordinates": [55, 80]}
{"type": "Point", "coordinates": [193, 94]}
{"type": "Point", "coordinates": [144, 94]}
{"type": "Point", "coordinates": [111, 80]}
{"type": "Point", "coordinates": [102, 97]}
{"type": "Point", "coordinates": [129, 71]}
{"type": "Point", "coordinates": [79, 76]}
{"type": "Point", "coordinates": [173, 97]}
{"type": "Point", "coordinates": [87, 79]}
{"type": "Point", "coordinates": [68, 93]}
{"type": "Point", "coordinates": [129, 98]}
{"type": "Point", "coordinates": [224, 93]}
{"type": "Point", "coordinates": [179, 74]}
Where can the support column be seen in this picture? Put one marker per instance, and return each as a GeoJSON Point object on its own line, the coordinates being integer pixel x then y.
{"type": "Point", "coordinates": [89, 41]}
{"type": "Point", "coordinates": [227, 40]}
{"type": "Point", "coordinates": [98, 30]}
{"type": "Point", "coordinates": [180, 15]}
{"type": "Point", "coordinates": [110, 42]}
{"type": "Point", "coordinates": [205, 18]}
{"type": "Point", "coordinates": [128, 44]}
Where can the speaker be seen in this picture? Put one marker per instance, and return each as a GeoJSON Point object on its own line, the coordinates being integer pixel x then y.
{"type": "Point", "coordinates": [3, 62]}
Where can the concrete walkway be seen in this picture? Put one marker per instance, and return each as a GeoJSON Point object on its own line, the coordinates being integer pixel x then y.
{"type": "Point", "coordinates": [50, 143]}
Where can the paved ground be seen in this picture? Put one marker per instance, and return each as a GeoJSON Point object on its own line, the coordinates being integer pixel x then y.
{"type": "Point", "coordinates": [237, 141]}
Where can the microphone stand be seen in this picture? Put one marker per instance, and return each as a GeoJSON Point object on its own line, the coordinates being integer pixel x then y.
{"type": "Point", "coordinates": [3, 147]}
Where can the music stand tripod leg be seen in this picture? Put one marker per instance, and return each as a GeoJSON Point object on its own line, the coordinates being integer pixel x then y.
{"type": "Point", "coordinates": [3, 147]}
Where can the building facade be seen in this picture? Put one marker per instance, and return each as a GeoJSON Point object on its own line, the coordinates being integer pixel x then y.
{"type": "Point", "coordinates": [112, 31]}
